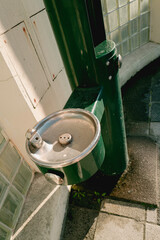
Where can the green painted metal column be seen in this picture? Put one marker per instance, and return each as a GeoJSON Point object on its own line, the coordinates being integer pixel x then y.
{"type": "Point", "coordinates": [89, 67]}
{"type": "Point", "coordinates": [112, 123]}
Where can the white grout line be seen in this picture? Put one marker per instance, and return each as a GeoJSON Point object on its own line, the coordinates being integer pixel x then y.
{"type": "Point", "coordinates": [35, 212]}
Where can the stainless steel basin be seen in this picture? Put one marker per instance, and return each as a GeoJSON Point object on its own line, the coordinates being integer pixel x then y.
{"type": "Point", "coordinates": [63, 139]}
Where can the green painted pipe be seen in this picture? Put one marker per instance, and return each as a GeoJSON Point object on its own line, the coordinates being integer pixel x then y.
{"type": "Point", "coordinates": [112, 124]}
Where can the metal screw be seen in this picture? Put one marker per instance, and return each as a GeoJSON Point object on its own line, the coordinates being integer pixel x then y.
{"type": "Point", "coordinates": [107, 63]}
{"type": "Point", "coordinates": [110, 77]}
{"type": "Point", "coordinates": [119, 61]}
{"type": "Point", "coordinates": [29, 133]}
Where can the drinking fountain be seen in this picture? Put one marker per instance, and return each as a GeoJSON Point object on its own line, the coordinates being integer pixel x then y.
{"type": "Point", "coordinates": [88, 135]}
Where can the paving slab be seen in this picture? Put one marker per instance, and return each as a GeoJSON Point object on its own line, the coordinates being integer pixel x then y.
{"type": "Point", "coordinates": [137, 129]}
{"type": "Point", "coordinates": [136, 111]}
{"type": "Point", "coordinates": [158, 209]}
{"type": "Point", "coordinates": [111, 227]}
{"type": "Point", "coordinates": [44, 211]}
{"type": "Point", "coordinates": [158, 216]}
{"type": "Point", "coordinates": [80, 224]}
{"type": "Point", "coordinates": [155, 112]}
{"type": "Point", "coordinates": [152, 232]}
{"type": "Point", "coordinates": [139, 183]}
{"type": "Point", "coordinates": [155, 129]}
{"type": "Point", "coordinates": [121, 208]}
{"type": "Point", "coordinates": [156, 87]}
{"type": "Point", "coordinates": [151, 215]}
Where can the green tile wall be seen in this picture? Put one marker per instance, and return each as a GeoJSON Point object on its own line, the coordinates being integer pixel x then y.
{"type": "Point", "coordinates": [2, 141]}
{"type": "Point", "coordinates": [5, 233]}
{"type": "Point", "coordinates": [15, 179]}
{"type": "Point", "coordinates": [9, 161]}
{"type": "Point", "coordinates": [3, 187]}
{"type": "Point", "coordinates": [127, 23]}
{"type": "Point", "coordinates": [21, 179]}
{"type": "Point", "coordinates": [10, 209]}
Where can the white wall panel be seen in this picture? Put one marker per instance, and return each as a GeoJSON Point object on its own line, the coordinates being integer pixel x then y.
{"type": "Point", "coordinates": [55, 97]}
{"type": "Point", "coordinates": [62, 89]}
{"type": "Point", "coordinates": [15, 115]}
{"type": "Point", "coordinates": [26, 62]}
{"type": "Point", "coordinates": [47, 42]}
{"type": "Point", "coordinates": [32, 6]}
{"type": "Point", "coordinates": [11, 13]}
{"type": "Point", "coordinates": [5, 74]}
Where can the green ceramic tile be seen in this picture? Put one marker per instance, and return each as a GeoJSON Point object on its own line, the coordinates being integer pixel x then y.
{"type": "Point", "coordinates": [3, 187]}
{"type": "Point", "coordinates": [113, 20]}
{"type": "Point", "coordinates": [133, 9]}
{"type": "Point", "coordinates": [122, 2]}
{"type": "Point", "coordinates": [123, 15]}
{"type": "Point", "coordinates": [144, 5]}
{"type": "Point", "coordinates": [115, 36]}
{"type": "Point", "coordinates": [2, 141]}
{"type": "Point", "coordinates": [5, 233]}
{"type": "Point", "coordinates": [125, 47]}
{"type": "Point", "coordinates": [134, 42]}
{"type": "Point", "coordinates": [11, 208]}
{"type": "Point", "coordinates": [1, 138]}
{"type": "Point", "coordinates": [111, 5]}
{"type": "Point", "coordinates": [9, 161]}
{"type": "Point", "coordinates": [23, 178]}
{"type": "Point", "coordinates": [144, 36]}
{"type": "Point", "coordinates": [134, 26]}
{"type": "Point", "coordinates": [124, 32]}
{"type": "Point", "coordinates": [144, 20]}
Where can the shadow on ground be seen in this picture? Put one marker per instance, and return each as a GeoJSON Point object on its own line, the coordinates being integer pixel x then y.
{"type": "Point", "coordinates": [141, 100]}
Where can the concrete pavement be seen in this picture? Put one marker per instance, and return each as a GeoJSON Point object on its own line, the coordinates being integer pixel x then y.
{"type": "Point", "coordinates": [119, 217]}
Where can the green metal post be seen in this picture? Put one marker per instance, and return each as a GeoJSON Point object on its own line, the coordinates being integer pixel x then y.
{"type": "Point", "coordinates": [112, 124]}
{"type": "Point", "coordinates": [88, 67]}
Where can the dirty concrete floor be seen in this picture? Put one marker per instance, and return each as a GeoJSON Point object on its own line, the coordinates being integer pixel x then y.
{"type": "Point", "coordinates": [116, 216]}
